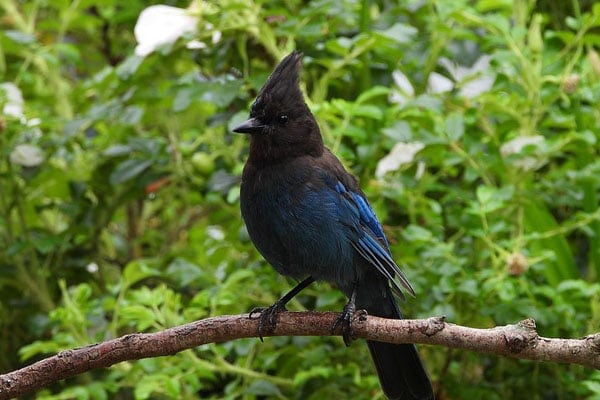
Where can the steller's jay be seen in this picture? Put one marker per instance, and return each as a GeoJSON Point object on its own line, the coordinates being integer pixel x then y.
{"type": "Point", "coordinates": [310, 220]}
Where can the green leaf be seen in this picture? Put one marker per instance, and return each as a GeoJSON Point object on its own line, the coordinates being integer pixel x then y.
{"type": "Point", "coordinates": [148, 385]}
{"type": "Point", "coordinates": [492, 199]}
{"type": "Point", "coordinates": [19, 37]}
{"type": "Point", "coordinates": [262, 387]}
{"type": "Point", "coordinates": [401, 131]}
{"type": "Point", "coordinates": [328, 298]}
{"type": "Point", "coordinates": [416, 233]}
{"type": "Point", "coordinates": [221, 94]}
{"type": "Point", "coordinates": [313, 372]}
{"type": "Point", "coordinates": [117, 150]}
{"type": "Point", "coordinates": [128, 170]}
{"type": "Point", "coordinates": [131, 115]}
{"type": "Point", "coordinates": [97, 390]}
{"type": "Point", "coordinates": [369, 111]}
{"type": "Point", "coordinates": [136, 271]}
{"type": "Point", "coordinates": [69, 52]}
{"type": "Point", "coordinates": [46, 242]}
{"type": "Point", "coordinates": [399, 32]}
{"type": "Point", "coordinates": [491, 5]}
{"type": "Point", "coordinates": [185, 272]}
{"type": "Point", "coordinates": [454, 126]}
{"type": "Point", "coordinates": [39, 347]}
{"type": "Point", "coordinates": [371, 93]}
{"type": "Point", "coordinates": [128, 68]}
{"type": "Point", "coordinates": [538, 219]}
{"type": "Point", "coordinates": [183, 99]}
{"type": "Point", "coordinates": [142, 316]}
{"type": "Point", "coordinates": [173, 387]}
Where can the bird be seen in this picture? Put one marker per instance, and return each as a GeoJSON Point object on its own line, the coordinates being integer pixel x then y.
{"type": "Point", "coordinates": [308, 217]}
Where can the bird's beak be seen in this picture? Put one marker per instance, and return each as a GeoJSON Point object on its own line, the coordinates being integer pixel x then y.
{"type": "Point", "coordinates": [251, 126]}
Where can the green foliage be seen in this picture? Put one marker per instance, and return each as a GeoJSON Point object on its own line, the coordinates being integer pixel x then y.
{"type": "Point", "coordinates": [119, 185]}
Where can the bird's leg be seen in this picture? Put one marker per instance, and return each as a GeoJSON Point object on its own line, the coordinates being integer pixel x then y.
{"type": "Point", "coordinates": [345, 318]}
{"type": "Point", "coordinates": [268, 315]}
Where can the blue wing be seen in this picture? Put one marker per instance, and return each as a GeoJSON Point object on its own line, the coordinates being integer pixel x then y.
{"type": "Point", "coordinates": [371, 243]}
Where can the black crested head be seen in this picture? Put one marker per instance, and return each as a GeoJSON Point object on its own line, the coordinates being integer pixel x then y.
{"type": "Point", "coordinates": [281, 125]}
{"type": "Point", "coordinates": [282, 87]}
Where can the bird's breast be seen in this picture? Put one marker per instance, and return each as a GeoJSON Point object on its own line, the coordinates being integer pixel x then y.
{"type": "Point", "coordinates": [294, 224]}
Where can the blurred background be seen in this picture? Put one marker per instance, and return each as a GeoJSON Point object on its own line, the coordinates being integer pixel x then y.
{"type": "Point", "coordinates": [472, 125]}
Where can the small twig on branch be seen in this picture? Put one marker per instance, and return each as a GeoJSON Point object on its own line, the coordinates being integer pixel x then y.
{"type": "Point", "coordinates": [518, 341]}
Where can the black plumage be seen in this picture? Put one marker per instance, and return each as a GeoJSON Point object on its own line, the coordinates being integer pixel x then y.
{"type": "Point", "coordinates": [310, 220]}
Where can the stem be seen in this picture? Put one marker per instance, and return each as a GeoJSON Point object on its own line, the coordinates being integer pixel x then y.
{"type": "Point", "coordinates": [364, 24]}
{"type": "Point", "coordinates": [30, 275]}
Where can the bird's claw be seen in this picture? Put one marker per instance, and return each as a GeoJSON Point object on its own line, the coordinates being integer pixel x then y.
{"type": "Point", "coordinates": [267, 318]}
{"type": "Point", "coordinates": [361, 315]}
{"type": "Point", "coordinates": [345, 321]}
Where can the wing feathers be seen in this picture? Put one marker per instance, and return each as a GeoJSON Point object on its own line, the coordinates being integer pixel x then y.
{"type": "Point", "coordinates": [372, 244]}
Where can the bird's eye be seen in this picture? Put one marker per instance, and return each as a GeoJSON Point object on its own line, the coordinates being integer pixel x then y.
{"type": "Point", "coordinates": [282, 119]}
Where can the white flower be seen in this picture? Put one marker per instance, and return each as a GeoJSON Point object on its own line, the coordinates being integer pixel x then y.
{"type": "Point", "coordinates": [92, 268]}
{"type": "Point", "coordinates": [517, 144]}
{"type": "Point", "coordinates": [26, 155]}
{"type": "Point", "coordinates": [195, 45]}
{"type": "Point", "coordinates": [14, 100]}
{"type": "Point", "coordinates": [216, 37]}
{"type": "Point", "coordinates": [402, 153]}
{"type": "Point", "coordinates": [406, 91]}
{"type": "Point", "coordinates": [473, 80]}
{"type": "Point", "coordinates": [438, 83]}
{"type": "Point", "coordinates": [33, 122]}
{"type": "Point", "coordinates": [159, 25]}
{"type": "Point", "coordinates": [215, 232]}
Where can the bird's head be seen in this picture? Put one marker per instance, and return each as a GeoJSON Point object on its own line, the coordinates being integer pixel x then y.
{"type": "Point", "coordinates": [281, 125]}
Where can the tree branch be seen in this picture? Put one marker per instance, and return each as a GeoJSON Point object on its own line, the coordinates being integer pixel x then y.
{"type": "Point", "coordinates": [518, 341]}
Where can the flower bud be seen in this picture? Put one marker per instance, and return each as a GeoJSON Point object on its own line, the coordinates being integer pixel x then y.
{"type": "Point", "coordinates": [517, 264]}
{"type": "Point", "coordinates": [570, 83]}
{"type": "Point", "coordinates": [594, 59]}
{"type": "Point", "coordinates": [534, 35]}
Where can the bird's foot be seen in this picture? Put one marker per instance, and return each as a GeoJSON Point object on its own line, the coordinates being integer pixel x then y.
{"type": "Point", "coordinates": [345, 321]}
{"type": "Point", "coordinates": [267, 318]}
{"type": "Point", "coordinates": [361, 315]}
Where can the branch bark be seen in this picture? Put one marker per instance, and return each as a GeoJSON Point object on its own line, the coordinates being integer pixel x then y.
{"type": "Point", "coordinates": [518, 341]}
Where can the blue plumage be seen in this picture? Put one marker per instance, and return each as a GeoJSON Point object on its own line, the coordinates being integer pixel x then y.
{"type": "Point", "coordinates": [308, 217]}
